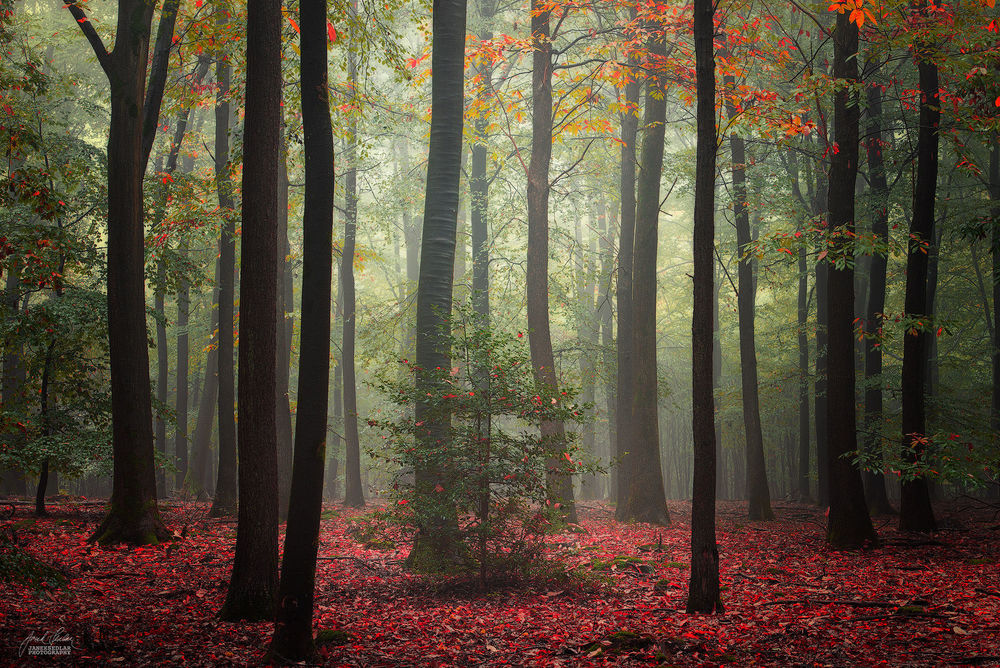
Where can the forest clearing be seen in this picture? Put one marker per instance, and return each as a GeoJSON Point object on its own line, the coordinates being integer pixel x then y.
{"type": "Point", "coordinates": [615, 597]}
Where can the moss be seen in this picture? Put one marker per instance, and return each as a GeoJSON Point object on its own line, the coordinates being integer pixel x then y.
{"type": "Point", "coordinates": [979, 561]}
{"type": "Point", "coordinates": [909, 610]}
{"type": "Point", "coordinates": [662, 585]}
{"type": "Point", "coordinates": [333, 637]}
{"type": "Point", "coordinates": [619, 641]}
{"type": "Point", "coordinates": [675, 564]}
{"type": "Point", "coordinates": [19, 567]}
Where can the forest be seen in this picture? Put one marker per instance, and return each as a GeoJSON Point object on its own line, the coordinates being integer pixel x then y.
{"type": "Point", "coordinates": [488, 333]}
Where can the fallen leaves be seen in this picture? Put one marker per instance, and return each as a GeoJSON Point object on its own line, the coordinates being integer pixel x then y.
{"type": "Point", "coordinates": [619, 599]}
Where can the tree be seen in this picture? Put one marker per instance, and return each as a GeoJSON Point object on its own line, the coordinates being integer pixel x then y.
{"type": "Point", "coordinates": [434, 544]}
{"type": "Point", "coordinates": [537, 281]}
{"type": "Point", "coordinates": [642, 496]}
{"type": "Point", "coordinates": [915, 511]}
{"type": "Point", "coordinates": [758, 496]}
{"type": "Point", "coordinates": [354, 495]}
{"type": "Point", "coordinates": [293, 639]}
{"type": "Point", "coordinates": [703, 591]}
{"type": "Point", "coordinates": [849, 525]}
{"type": "Point", "coordinates": [875, 493]}
{"type": "Point", "coordinates": [225, 500]}
{"type": "Point", "coordinates": [479, 184]}
{"type": "Point", "coordinates": [133, 516]}
{"type": "Point", "coordinates": [626, 240]}
{"type": "Point", "coordinates": [254, 582]}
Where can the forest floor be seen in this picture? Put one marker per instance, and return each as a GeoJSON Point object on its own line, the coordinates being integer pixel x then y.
{"type": "Point", "coordinates": [790, 601]}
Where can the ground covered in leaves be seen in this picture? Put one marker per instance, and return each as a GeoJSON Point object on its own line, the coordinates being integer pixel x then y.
{"type": "Point", "coordinates": [917, 601]}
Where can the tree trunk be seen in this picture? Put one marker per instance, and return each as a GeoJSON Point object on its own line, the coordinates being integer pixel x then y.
{"type": "Point", "coordinates": [626, 241]}
{"type": "Point", "coordinates": [587, 326]}
{"type": "Point", "coordinates": [721, 483]}
{"type": "Point", "coordinates": [875, 492]}
{"type": "Point", "coordinates": [13, 381]}
{"type": "Point", "coordinates": [354, 496]}
{"type": "Point", "coordinates": [643, 498]}
{"type": "Point", "coordinates": [915, 511]}
{"type": "Point", "coordinates": [434, 544]}
{"type": "Point", "coordinates": [758, 496]}
{"type": "Point", "coordinates": [283, 343]}
{"type": "Point", "coordinates": [200, 443]}
{"type": "Point", "coordinates": [703, 591]}
{"type": "Point", "coordinates": [560, 481]}
{"type": "Point", "coordinates": [995, 238]}
{"type": "Point", "coordinates": [254, 583]}
{"type": "Point", "coordinates": [848, 525]}
{"type": "Point", "coordinates": [225, 501]}
{"type": "Point", "coordinates": [605, 315]}
{"type": "Point", "coordinates": [133, 515]}
{"type": "Point", "coordinates": [479, 185]}
{"type": "Point", "coordinates": [803, 339]}
{"type": "Point", "coordinates": [162, 373]}
{"type": "Point", "coordinates": [293, 634]}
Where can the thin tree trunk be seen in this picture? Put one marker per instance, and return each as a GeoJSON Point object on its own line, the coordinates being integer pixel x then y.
{"type": "Point", "coordinates": [560, 481]}
{"type": "Point", "coordinates": [626, 241]}
{"type": "Point", "coordinates": [162, 372]}
{"type": "Point", "coordinates": [995, 239]}
{"type": "Point", "coordinates": [293, 633]}
{"type": "Point", "coordinates": [225, 501]}
{"type": "Point", "coordinates": [644, 499]}
{"type": "Point", "coordinates": [354, 496]}
{"type": "Point", "coordinates": [758, 495]}
{"type": "Point", "coordinates": [283, 343]}
{"type": "Point", "coordinates": [479, 185]}
{"type": "Point", "coordinates": [703, 591]}
{"type": "Point", "coordinates": [13, 380]}
{"type": "Point", "coordinates": [200, 443]}
{"type": "Point", "coordinates": [254, 582]}
{"type": "Point", "coordinates": [875, 492]}
{"type": "Point", "coordinates": [915, 511]}
{"type": "Point", "coordinates": [605, 314]}
{"type": "Point", "coordinates": [849, 525]}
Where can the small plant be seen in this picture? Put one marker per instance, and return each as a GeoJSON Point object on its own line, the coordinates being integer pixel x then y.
{"type": "Point", "coordinates": [473, 472]}
{"type": "Point", "coordinates": [20, 567]}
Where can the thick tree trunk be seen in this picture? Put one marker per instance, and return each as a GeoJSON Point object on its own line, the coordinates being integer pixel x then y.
{"type": "Point", "coordinates": [703, 591]}
{"type": "Point", "coordinates": [758, 495]}
{"type": "Point", "coordinates": [915, 511]}
{"type": "Point", "coordinates": [560, 481]}
{"type": "Point", "coordinates": [434, 544]}
{"type": "Point", "coordinates": [626, 240]}
{"type": "Point", "coordinates": [848, 525]}
{"type": "Point", "coordinates": [133, 516]}
{"type": "Point", "coordinates": [254, 583]}
{"type": "Point", "coordinates": [293, 634]}
{"type": "Point", "coordinates": [643, 498]}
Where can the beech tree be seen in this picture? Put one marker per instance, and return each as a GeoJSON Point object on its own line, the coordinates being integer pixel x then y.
{"type": "Point", "coordinates": [849, 525]}
{"type": "Point", "coordinates": [293, 635]}
{"type": "Point", "coordinates": [434, 544]}
{"type": "Point", "coordinates": [254, 581]}
{"type": "Point", "coordinates": [133, 516]}
{"type": "Point", "coordinates": [703, 591]}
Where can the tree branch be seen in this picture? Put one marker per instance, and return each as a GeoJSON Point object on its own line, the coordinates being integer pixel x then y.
{"type": "Point", "coordinates": [103, 57]}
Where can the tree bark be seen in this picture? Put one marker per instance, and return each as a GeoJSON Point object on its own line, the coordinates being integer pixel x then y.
{"type": "Point", "coordinates": [875, 492]}
{"type": "Point", "coordinates": [354, 496]}
{"type": "Point", "coordinates": [758, 495]}
{"type": "Point", "coordinates": [626, 241]}
{"type": "Point", "coordinates": [254, 582]}
{"type": "Point", "coordinates": [162, 372]}
{"type": "Point", "coordinates": [133, 515]}
{"type": "Point", "coordinates": [293, 634]}
{"type": "Point", "coordinates": [283, 343]}
{"type": "Point", "coordinates": [200, 478]}
{"type": "Point", "coordinates": [560, 481]}
{"type": "Point", "coordinates": [643, 498]}
{"type": "Point", "coordinates": [479, 185]}
{"type": "Point", "coordinates": [915, 511]}
{"type": "Point", "coordinates": [434, 544]}
{"type": "Point", "coordinates": [703, 591]}
{"type": "Point", "coordinates": [849, 525]}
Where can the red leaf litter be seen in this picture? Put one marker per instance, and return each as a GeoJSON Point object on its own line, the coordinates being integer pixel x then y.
{"type": "Point", "coordinates": [917, 601]}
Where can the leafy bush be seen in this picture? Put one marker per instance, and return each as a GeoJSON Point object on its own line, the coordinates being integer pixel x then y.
{"type": "Point", "coordinates": [473, 473]}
